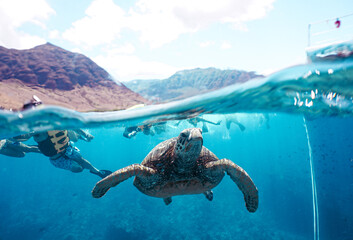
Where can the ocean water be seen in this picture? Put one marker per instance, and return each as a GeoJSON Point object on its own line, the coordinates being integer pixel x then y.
{"type": "Point", "coordinates": [296, 145]}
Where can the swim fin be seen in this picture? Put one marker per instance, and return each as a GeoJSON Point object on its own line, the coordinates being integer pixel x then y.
{"type": "Point", "coordinates": [102, 173]}
{"type": "Point", "coordinates": [241, 126]}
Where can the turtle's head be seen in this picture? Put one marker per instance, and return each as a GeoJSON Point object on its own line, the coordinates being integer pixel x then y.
{"type": "Point", "coordinates": [189, 145]}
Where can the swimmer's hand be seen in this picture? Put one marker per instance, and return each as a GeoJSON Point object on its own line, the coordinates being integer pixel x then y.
{"type": "Point", "coordinates": [86, 137]}
{"type": "Point", "coordinates": [219, 122]}
{"type": "Point", "coordinates": [132, 134]}
{"type": "Point", "coordinates": [89, 137]}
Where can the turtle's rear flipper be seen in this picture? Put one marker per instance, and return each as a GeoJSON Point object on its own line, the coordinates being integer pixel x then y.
{"type": "Point", "coordinates": [119, 176]}
{"type": "Point", "coordinates": [242, 179]}
{"type": "Point", "coordinates": [167, 200]}
{"type": "Point", "coordinates": [209, 195]}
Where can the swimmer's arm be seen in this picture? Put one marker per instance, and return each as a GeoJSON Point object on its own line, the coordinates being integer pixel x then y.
{"type": "Point", "coordinates": [83, 135]}
{"type": "Point", "coordinates": [23, 137]}
{"type": "Point", "coordinates": [177, 123]}
{"type": "Point", "coordinates": [207, 121]}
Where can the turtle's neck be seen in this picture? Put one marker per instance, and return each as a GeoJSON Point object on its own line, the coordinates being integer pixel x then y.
{"type": "Point", "coordinates": [185, 163]}
{"type": "Point", "coordinates": [187, 149]}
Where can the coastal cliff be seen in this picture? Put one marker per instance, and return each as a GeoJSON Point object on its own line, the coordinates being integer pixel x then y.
{"type": "Point", "coordinates": [60, 77]}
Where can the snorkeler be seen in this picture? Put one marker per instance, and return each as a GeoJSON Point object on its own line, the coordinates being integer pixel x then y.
{"type": "Point", "coordinates": [160, 127]}
{"type": "Point", "coordinates": [16, 149]}
{"type": "Point", "coordinates": [33, 103]}
{"type": "Point", "coordinates": [194, 121]}
{"type": "Point", "coordinates": [231, 118]}
{"type": "Point", "coordinates": [132, 131]}
{"type": "Point", "coordinates": [265, 118]}
{"type": "Point", "coordinates": [58, 146]}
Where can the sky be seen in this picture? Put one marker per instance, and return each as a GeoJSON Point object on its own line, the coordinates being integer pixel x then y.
{"type": "Point", "coordinates": [153, 39]}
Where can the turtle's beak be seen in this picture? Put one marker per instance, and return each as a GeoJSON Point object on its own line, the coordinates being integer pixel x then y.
{"type": "Point", "coordinates": [195, 137]}
{"type": "Point", "coordinates": [195, 134]}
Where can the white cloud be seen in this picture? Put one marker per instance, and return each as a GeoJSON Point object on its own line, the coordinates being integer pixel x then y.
{"type": "Point", "coordinates": [159, 21]}
{"type": "Point", "coordinates": [120, 62]}
{"type": "Point", "coordinates": [225, 45]}
{"type": "Point", "coordinates": [125, 49]}
{"type": "Point", "coordinates": [14, 13]}
{"type": "Point", "coordinates": [130, 67]}
{"type": "Point", "coordinates": [19, 40]}
{"type": "Point", "coordinates": [206, 44]}
{"type": "Point", "coordinates": [101, 25]}
{"type": "Point", "coordinates": [21, 11]}
{"type": "Point", "coordinates": [156, 22]}
{"type": "Point", "coordinates": [77, 50]}
{"type": "Point", "coordinates": [54, 34]}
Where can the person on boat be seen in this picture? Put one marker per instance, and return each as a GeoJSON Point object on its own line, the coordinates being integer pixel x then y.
{"type": "Point", "coordinates": [59, 147]}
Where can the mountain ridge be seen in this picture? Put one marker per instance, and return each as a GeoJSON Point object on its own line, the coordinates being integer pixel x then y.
{"type": "Point", "coordinates": [188, 83]}
{"type": "Point", "coordinates": [71, 79]}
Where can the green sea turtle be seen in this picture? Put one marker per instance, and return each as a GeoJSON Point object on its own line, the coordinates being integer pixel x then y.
{"type": "Point", "coordinates": [180, 166]}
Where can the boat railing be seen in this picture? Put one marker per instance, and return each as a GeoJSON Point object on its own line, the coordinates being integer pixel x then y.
{"type": "Point", "coordinates": [330, 31]}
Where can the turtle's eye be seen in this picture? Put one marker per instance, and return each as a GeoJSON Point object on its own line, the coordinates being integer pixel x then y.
{"type": "Point", "coordinates": [183, 135]}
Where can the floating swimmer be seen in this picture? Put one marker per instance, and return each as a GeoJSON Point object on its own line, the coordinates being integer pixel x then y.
{"type": "Point", "coordinates": [180, 166]}
{"type": "Point", "coordinates": [160, 127]}
{"type": "Point", "coordinates": [231, 118]}
{"type": "Point", "coordinates": [194, 121]}
{"type": "Point", "coordinates": [132, 131]}
{"type": "Point", "coordinates": [58, 146]}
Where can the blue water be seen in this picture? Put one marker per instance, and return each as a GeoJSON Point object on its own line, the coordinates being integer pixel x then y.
{"type": "Point", "coordinates": [296, 146]}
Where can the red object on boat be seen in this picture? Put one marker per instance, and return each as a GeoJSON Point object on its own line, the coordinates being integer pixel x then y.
{"type": "Point", "coordinates": [338, 23]}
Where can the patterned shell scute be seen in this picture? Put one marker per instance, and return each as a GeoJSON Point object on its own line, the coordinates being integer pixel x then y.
{"type": "Point", "coordinates": [206, 156]}
{"type": "Point", "coordinates": [161, 155]}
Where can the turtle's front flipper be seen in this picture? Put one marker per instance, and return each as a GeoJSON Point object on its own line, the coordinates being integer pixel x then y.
{"type": "Point", "coordinates": [242, 179]}
{"type": "Point", "coordinates": [119, 176]}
